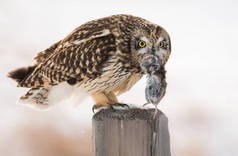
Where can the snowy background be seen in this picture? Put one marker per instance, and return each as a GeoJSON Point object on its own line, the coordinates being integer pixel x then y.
{"type": "Point", "coordinates": [201, 101]}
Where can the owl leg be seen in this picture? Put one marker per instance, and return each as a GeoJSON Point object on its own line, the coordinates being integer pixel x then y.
{"type": "Point", "coordinates": [101, 100]}
{"type": "Point", "coordinates": [106, 100]}
{"type": "Point", "coordinates": [113, 100]}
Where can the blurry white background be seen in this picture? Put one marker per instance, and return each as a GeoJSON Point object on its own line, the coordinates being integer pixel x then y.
{"type": "Point", "coordinates": [201, 101]}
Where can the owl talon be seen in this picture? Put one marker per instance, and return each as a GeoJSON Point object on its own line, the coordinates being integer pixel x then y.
{"type": "Point", "coordinates": [99, 106]}
{"type": "Point", "coordinates": [93, 108]}
{"type": "Point", "coordinates": [120, 105]}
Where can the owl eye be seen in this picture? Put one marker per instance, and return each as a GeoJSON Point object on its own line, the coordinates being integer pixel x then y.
{"type": "Point", "coordinates": [141, 44]}
{"type": "Point", "coordinates": [162, 44]}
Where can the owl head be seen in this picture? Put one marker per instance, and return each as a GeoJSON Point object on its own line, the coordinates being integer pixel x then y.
{"type": "Point", "coordinates": [153, 40]}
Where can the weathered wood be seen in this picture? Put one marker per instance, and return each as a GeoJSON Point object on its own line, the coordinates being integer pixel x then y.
{"type": "Point", "coordinates": [132, 132]}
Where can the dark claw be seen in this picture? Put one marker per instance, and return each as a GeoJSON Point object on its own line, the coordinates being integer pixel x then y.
{"type": "Point", "coordinates": [93, 108]}
{"type": "Point", "coordinates": [111, 107]}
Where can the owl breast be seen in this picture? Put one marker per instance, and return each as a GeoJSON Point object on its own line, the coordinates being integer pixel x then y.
{"type": "Point", "coordinates": [113, 78]}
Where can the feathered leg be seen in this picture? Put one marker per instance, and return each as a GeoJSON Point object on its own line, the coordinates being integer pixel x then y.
{"type": "Point", "coordinates": [106, 100]}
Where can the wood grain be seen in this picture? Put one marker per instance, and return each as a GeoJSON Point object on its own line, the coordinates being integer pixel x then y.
{"type": "Point", "coordinates": [132, 132]}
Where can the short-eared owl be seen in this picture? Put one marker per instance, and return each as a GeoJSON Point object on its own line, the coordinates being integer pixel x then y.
{"type": "Point", "coordinates": [101, 58]}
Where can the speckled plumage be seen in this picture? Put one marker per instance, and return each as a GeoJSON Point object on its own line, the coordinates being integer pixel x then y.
{"type": "Point", "coordinates": [98, 56]}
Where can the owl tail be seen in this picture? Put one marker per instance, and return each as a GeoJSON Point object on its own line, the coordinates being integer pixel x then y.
{"type": "Point", "coordinates": [44, 97]}
{"type": "Point", "coordinates": [21, 73]}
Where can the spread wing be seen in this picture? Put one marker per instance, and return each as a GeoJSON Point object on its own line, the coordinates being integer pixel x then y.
{"type": "Point", "coordinates": [81, 54]}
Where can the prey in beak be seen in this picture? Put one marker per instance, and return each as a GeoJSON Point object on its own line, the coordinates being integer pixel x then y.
{"type": "Point", "coordinates": [150, 63]}
{"type": "Point", "coordinates": [153, 91]}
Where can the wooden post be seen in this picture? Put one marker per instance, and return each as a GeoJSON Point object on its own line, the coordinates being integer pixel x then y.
{"type": "Point", "coordinates": [131, 132]}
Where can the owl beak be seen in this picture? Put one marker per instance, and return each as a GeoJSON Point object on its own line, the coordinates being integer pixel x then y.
{"type": "Point", "coordinates": [152, 50]}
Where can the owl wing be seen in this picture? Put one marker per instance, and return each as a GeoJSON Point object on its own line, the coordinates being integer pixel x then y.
{"type": "Point", "coordinates": [41, 56]}
{"type": "Point", "coordinates": [74, 58]}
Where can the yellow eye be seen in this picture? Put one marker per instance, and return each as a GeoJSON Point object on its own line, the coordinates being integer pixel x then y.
{"type": "Point", "coordinates": [161, 44]}
{"type": "Point", "coordinates": [142, 44]}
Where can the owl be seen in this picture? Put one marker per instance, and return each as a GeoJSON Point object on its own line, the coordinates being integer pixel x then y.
{"type": "Point", "coordinates": [101, 58]}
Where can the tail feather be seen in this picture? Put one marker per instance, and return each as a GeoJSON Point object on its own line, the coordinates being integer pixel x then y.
{"type": "Point", "coordinates": [42, 98]}
{"type": "Point", "coordinates": [21, 73]}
